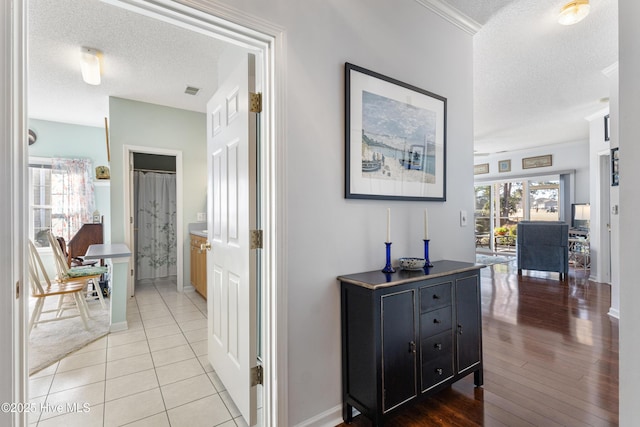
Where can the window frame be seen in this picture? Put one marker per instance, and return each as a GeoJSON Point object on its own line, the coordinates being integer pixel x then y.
{"type": "Point", "coordinates": [45, 163]}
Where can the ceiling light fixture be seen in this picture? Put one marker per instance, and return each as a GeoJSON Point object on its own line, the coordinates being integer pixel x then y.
{"type": "Point", "coordinates": [573, 12]}
{"type": "Point", "coordinates": [90, 65]}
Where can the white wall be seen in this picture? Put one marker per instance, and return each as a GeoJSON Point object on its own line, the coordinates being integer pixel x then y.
{"type": "Point", "coordinates": [629, 135]}
{"type": "Point", "coordinates": [568, 156]}
{"type": "Point", "coordinates": [149, 125]}
{"type": "Point", "coordinates": [600, 214]}
{"type": "Point", "coordinates": [328, 235]}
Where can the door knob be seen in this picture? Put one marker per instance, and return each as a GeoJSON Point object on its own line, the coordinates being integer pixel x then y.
{"type": "Point", "coordinates": [205, 246]}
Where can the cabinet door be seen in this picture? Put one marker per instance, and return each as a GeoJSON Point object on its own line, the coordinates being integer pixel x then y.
{"type": "Point", "coordinates": [193, 262]}
{"type": "Point", "coordinates": [398, 349]}
{"type": "Point", "coordinates": [469, 323]}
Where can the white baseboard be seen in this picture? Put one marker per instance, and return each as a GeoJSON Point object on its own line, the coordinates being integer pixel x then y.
{"type": "Point", "coordinates": [120, 326]}
{"type": "Point", "coordinates": [614, 312]}
{"type": "Point", "coordinates": [329, 418]}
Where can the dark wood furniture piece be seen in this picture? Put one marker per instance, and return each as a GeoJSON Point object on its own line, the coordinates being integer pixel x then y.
{"type": "Point", "coordinates": [407, 335]}
{"type": "Point", "coordinates": [89, 234]}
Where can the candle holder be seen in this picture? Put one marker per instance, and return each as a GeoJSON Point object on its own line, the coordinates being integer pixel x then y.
{"type": "Point", "coordinates": [426, 254]}
{"type": "Point", "coordinates": [388, 268]}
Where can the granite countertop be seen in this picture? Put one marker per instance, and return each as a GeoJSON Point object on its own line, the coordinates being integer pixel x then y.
{"type": "Point", "coordinates": [377, 279]}
{"type": "Point", "coordinates": [198, 229]}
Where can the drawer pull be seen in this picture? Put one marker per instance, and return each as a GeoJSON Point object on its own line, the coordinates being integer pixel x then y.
{"type": "Point", "coordinates": [438, 371]}
{"type": "Point", "coordinates": [438, 346]}
{"type": "Point", "coordinates": [460, 329]}
{"type": "Point", "coordinates": [412, 347]}
{"type": "Point", "coordinates": [436, 296]}
{"type": "Point", "coordinates": [436, 321]}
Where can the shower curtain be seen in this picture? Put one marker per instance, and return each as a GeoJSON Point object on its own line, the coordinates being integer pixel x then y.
{"type": "Point", "coordinates": [155, 221]}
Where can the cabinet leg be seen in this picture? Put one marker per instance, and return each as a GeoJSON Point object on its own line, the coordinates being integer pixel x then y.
{"type": "Point", "coordinates": [478, 377]}
{"type": "Point", "coordinates": [347, 413]}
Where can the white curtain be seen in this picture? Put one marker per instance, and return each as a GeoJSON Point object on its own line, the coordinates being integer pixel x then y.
{"type": "Point", "coordinates": [155, 207]}
{"type": "Point", "coordinates": [72, 195]}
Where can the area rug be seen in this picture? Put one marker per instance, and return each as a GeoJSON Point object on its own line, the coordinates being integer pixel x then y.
{"type": "Point", "coordinates": [50, 342]}
{"type": "Point", "coordinates": [493, 259]}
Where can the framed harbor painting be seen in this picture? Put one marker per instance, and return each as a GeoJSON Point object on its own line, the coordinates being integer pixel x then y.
{"type": "Point", "coordinates": [395, 136]}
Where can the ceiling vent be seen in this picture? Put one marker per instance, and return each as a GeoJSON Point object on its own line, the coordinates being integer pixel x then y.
{"type": "Point", "coordinates": [190, 90]}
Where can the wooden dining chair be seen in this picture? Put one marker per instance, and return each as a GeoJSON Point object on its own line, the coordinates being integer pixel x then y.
{"type": "Point", "coordinates": [42, 287]}
{"type": "Point", "coordinates": [89, 274]}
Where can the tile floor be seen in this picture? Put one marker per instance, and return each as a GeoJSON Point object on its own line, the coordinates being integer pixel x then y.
{"type": "Point", "coordinates": [154, 374]}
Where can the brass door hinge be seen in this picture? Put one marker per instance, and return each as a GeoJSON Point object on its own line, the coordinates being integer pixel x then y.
{"type": "Point", "coordinates": [255, 102]}
{"type": "Point", "coordinates": [18, 289]}
{"type": "Point", "coordinates": [256, 239]}
{"type": "Point", "coordinates": [256, 375]}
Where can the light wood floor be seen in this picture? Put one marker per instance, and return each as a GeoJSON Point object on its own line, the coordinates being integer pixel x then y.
{"type": "Point", "coordinates": [550, 358]}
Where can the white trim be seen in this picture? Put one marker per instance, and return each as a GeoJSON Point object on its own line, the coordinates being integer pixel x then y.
{"type": "Point", "coordinates": [120, 326]}
{"type": "Point", "coordinates": [128, 185]}
{"type": "Point", "coordinates": [451, 14]}
{"type": "Point", "coordinates": [329, 418]}
{"type": "Point", "coordinates": [14, 216]}
{"type": "Point", "coordinates": [268, 42]}
{"type": "Point", "coordinates": [614, 313]}
{"type": "Point", "coordinates": [598, 114]}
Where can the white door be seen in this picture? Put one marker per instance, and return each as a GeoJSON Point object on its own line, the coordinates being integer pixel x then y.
{"type": "Point", "coordinates": [133, 230]}
{"type": "Point", "coordinates": [231, 214]}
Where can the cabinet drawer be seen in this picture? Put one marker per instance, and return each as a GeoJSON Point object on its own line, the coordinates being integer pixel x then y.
{"type": "Point", "coordinates": [435, 321]}
{"type": "Point", "coordinates": [437, 370]}
{"type": "Point", "coordinates": [435, 296]}
{"type": "Point", "coordinates": [436, 346]}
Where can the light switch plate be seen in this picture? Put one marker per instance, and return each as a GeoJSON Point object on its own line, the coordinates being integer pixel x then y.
{"type": "Point", "coordinates": [463, 218]}
{"type": "Point", "coordinates": [202, 216]}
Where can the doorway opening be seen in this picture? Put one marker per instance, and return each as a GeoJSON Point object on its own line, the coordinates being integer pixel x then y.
{"type": "Point", "coordinates": [260, 37]}
{"type": "Point", "coordinates": [155, 211]}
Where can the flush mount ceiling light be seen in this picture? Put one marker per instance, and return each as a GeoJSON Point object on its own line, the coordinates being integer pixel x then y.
{"type": "Point", "coordinates": [573, 12]}
{"type": "Point", "coordinates": [90, 65]}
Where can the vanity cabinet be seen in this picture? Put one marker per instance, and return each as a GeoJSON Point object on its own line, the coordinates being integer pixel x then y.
{"type": "Point", "coordinates": [198, 265]}
{"type": "Point", "coordinates": [407, 335]}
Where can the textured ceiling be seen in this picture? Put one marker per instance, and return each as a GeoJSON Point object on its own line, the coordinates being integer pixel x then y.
{"type": "Point", "coordinates": [144, 60]}
{"type": "Point", "coordinates": [535, 81]}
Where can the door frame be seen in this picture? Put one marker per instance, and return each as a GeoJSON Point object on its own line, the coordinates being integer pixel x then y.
{"type": "Point", "coordinates": [129, 193]}
{"type": "Point", "coordinates": [602, 241]}
{"type": "Point", "coordinates": [13, 218]}
{"type": "Point", "coordinates": [268, 42]}
{"type": "Point", "coordinates": [229, 24]}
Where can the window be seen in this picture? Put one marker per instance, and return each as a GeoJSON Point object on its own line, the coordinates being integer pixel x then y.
{"type": "Point", "coordinates": [544, 196]}
{"type": "Point", "coordinates": [61, 197]}
{"type": "Point", "coordinates": [40, 202]}
{"type": "Point", "coordinates": [499, 206]}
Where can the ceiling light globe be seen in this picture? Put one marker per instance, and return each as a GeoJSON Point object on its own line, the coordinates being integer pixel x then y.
{"type": "Point", "coordinates": [90, 65]}
{"type": "Point", "coordinates": [574, 12]}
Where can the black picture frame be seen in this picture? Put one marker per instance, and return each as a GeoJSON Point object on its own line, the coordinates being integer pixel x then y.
{"type": "Point", "coordinates": [615, 168]}
{"type": "Point", "coordinates": [395, 139]}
